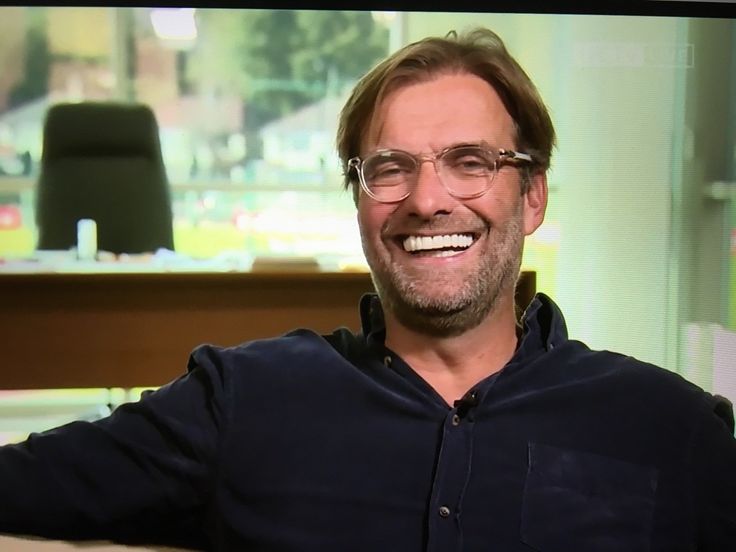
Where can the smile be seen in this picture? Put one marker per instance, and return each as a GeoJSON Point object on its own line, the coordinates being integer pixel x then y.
{"type": "Point", "coordinates": [444, 245]}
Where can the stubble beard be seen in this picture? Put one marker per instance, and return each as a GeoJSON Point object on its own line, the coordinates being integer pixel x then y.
{"type": "Point", "coordinates": [464, 302]}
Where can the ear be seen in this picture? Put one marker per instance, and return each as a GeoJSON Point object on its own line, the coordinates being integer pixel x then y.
{"type": "Point", "coordinates": [535, 202]}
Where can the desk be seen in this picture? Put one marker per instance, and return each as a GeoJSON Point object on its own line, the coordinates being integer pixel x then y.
{"type": "Point", "coordinates": [137, 329]}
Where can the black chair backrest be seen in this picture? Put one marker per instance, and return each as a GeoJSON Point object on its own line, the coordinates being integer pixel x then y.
{"type": "Point", "coordinates": [102, 160]}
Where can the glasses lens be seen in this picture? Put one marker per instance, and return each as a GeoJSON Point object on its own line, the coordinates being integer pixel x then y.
{"type": "Point", "coordinates": [468, 170]}
{"type": "Point", "coordinates": [389, 175]}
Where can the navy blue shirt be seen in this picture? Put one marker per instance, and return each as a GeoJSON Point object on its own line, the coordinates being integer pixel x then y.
{"type": "Point", "coordinates": [334, 444]}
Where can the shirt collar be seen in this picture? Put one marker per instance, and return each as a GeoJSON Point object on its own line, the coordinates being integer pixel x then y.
{"type": "Point", "coordinates": [371, 319]}
{"type": "Point", "coordinates": [543, 323]}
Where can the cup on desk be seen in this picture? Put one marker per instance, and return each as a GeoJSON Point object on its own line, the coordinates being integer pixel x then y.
{"type": "Point", "coordinates": [86, 240]}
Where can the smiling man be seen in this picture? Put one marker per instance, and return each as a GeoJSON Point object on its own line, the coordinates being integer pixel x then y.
{"type": "Point", "coordinates": [445, 424]}
{"type": "Point", "coordinates": [443, 228]}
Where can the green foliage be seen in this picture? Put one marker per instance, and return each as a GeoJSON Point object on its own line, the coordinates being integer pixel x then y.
{"type": "Point", "coordinates": [279, 60]}
{"type": "Point", "coordinates": [344, 43]}
{"type": "Point", "coordinates": [36, 64]}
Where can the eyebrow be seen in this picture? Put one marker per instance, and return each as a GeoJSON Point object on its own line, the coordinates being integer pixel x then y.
{"type": "Point", "coordinates": [480, 144]}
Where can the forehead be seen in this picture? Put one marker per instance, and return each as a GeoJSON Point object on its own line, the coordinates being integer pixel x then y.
{"type": "Point", "coordinates": [445, 110]}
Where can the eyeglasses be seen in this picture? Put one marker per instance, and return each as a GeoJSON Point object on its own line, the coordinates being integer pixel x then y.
{"type": "Point", "coordinates": [466, 171]}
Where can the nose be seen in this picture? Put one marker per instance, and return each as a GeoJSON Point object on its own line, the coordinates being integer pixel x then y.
{"type": "Point", "coordinates": [429, 197]}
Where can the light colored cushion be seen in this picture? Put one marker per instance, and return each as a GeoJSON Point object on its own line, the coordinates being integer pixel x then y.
{"type": "Point", "coordinates": [15, 543]}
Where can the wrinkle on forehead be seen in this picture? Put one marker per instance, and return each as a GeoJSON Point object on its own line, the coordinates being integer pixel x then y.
{"type": "Point", "coordinates": [499, 129]}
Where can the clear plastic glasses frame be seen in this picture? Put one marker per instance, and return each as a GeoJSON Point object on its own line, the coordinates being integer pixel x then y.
{"type": "Point", "coordinates": [466, 170]}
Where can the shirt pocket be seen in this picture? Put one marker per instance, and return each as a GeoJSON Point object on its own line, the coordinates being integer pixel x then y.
{"type": "Point", "coordinates": [583, 502]}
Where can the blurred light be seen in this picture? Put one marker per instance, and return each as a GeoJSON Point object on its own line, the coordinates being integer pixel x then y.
{"type": "Point", "coordinates": [384, 17]}
{"type": "Point", "coordinates": [548, 234]}
{"type": "Point", "coordinates": [241, 220]}
{"type": "Point", "coordinates": [174, 23]}
{"type": "Point", "coordinates": [209, 201]}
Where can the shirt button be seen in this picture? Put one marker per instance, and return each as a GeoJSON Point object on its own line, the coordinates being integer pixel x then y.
{"type": "Point", "coordinates": [455, 419]}
{"type": "Point", "coordinates": [387, 361]}
{"type": "Point", "coordinates": [444, 511]}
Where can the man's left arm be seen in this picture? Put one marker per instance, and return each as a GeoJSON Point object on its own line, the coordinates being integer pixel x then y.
{"type": "Point", "coordinates": [714, 464]}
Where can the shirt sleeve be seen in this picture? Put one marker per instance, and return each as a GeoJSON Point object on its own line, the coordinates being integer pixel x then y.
{"type": "Point", "coordinates": [715, 479]}
{"type": "Point", "coordinates": [142, 474]}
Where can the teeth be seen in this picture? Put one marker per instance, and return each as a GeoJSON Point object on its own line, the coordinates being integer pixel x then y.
{"type": "Point", "coordinates": [427, 243]}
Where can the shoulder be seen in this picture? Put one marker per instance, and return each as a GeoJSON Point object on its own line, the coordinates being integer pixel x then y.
{"type": "Point", "coordinates": [294, 351]}
{"type": "Point", "coordinates": [622, 370]}
{"type": "Point", "coordinates": [614, 381]}
{"type": "Point", "coordinates": [641, 386]}
{"type": "Point", "coordinates": [282, 378]}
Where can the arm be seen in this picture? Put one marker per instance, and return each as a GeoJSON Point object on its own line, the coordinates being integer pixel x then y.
{"type": "Point", "coordinates": [715, 479]}
{"type": "Point", "coordinates": [142, 474]}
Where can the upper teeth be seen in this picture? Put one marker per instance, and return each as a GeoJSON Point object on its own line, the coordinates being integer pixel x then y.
{"type": "Point", "coordinates": [422, 243]}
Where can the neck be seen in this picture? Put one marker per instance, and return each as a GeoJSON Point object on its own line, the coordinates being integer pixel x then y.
{"type": "Point", "coordinates": [452, 365]}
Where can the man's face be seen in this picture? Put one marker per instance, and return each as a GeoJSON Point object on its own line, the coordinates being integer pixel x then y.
{"type": "Point", "coordinates": [449, 290]}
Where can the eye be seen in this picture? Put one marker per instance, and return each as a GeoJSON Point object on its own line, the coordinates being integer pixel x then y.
{"type": "Point", "coordinates": [468, 162]}
{"type": "Point", "coordinates": [388, 170]}
{"type": "Point", "coordinates": [471, 164]}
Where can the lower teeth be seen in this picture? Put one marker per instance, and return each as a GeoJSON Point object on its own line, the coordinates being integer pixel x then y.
{"type": "Point", "coordinates": [439, 252]}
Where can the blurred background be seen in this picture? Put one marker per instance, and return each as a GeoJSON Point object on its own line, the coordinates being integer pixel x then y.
{"type": "Point", "coordinates": [639, 244]}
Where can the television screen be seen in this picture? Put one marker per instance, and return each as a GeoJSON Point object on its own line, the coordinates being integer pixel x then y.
{"type": "Point", "coordinates": [639, 242]}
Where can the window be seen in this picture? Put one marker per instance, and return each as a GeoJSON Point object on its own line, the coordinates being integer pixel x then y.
{"type": "Point", "coordinates": [246, 102]}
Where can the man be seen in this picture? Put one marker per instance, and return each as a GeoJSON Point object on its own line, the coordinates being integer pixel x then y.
{"type": "Point", "coordinates": [443, 425]}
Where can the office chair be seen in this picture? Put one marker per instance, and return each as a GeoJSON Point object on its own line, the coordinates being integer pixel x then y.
{"type": "Point", "coordinates": [102, 160]}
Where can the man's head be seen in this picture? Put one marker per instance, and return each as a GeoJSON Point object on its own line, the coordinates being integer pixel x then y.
{"type": "Point", "coordinates": [446, 145]}
{"type": "Point", "coordinates": [478, 52]}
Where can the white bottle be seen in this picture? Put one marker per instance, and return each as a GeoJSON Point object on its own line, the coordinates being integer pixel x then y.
{"type": "Point", "coordinates": [86, 240]}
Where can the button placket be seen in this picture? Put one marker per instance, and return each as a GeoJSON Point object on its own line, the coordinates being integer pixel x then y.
{"type": "Point", "coordinates": [452, 474]}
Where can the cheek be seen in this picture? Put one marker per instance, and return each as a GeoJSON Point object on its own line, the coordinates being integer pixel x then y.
{"type": "Point", "coordinates": [494, 209]}
{"type": "Point", "coordinates": [371, 218]}
{"type": "Point", "coordinates": [364, 223]}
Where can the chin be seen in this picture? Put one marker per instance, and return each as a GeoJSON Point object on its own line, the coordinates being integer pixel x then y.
{"type": "Point", "coordinates": [442, 322]}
